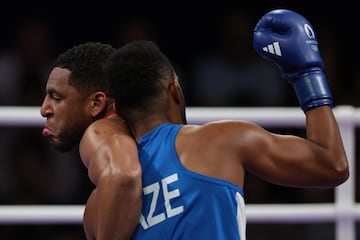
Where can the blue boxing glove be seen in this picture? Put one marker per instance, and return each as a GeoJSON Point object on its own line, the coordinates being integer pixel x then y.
{"type": "Point", "coordinates": [287, 38]}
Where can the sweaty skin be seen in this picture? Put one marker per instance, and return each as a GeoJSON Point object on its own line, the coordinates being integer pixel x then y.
{"type": "Point", "coordinates": [108, 151]}
{"type": "Point", "coordinates": [318, 161]}
{"type": "Point", "coordinates": [227, 149]}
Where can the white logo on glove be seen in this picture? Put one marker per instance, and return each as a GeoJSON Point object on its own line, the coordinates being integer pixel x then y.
{"type": "Point", "coordinates": [273, 48]}
{"type": "Point", "coordinates": [309, 32]}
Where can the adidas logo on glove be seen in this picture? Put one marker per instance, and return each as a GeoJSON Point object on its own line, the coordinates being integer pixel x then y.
{"type": "Point", "coordinates": [273, 48]}
{"type": "Point", "coordinates": [298, 59]}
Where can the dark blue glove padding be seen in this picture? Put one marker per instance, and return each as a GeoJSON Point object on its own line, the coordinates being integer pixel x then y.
{"type": "Point", "coordinates": [288, 39]}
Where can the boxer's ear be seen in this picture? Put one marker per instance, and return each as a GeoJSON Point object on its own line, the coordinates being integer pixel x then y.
{"type": "Point", "coordinates": [97, 103]}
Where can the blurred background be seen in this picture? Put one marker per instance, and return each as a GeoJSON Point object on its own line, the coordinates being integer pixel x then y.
{"type": "Point", "coordinates": [210, 44]}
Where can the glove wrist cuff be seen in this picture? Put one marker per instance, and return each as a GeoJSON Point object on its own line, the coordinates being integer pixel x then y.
{"type": "Point", "coordinates": [312, 90]}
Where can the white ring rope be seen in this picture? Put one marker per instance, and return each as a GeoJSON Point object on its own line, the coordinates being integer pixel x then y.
{"type": "Point", "coordinates": [41, 214]}
{"type": "Point", "coordinates": [344, 211]}
{"type": "Point", "coordinates": [265, 116]}
{"type": "Point", "coordinates": [256, 213]}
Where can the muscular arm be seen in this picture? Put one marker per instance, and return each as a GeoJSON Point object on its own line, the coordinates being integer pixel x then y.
{"type": "Point", "coordinates": [113, 209]}
{"type": "Point", "coordinates": [317, 161]}
{"type": "Point", "coordinates": [229, 149]}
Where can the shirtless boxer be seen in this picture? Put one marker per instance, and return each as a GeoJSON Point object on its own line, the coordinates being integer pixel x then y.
{"type": "Point", "coordinates": [77, 108]}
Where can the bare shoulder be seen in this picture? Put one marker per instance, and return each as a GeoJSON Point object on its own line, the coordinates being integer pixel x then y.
{"type": "Point", "coordinates": [219, 148]}
{"type": "Point", "coordinates": [224, 133]}
{"type": "Point", "coordinates": [103, 132]}
{"type": "Point", "coordinates": [222, 128]}
{"type": "Point", "coordinates": [107, 126]}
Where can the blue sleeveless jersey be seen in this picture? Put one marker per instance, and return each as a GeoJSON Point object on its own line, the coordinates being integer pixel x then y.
{"type": "Point", "coordinates": [179, 203]}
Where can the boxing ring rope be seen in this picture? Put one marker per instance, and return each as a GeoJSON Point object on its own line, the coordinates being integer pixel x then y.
{"type": "Point", "coordinates": [343, 212]}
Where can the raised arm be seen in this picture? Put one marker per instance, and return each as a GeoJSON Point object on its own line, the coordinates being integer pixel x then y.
{"type": "Point", "coordinates": [288, 39]}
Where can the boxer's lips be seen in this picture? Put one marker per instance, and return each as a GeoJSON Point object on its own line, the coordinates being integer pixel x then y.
{"type": "Point", "coordinates": [46, 131]}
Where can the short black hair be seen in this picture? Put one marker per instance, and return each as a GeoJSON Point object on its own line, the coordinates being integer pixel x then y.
{"type": "Point", "coordinates": [86, 63]}
{"type": "Point", "coordinates": [138, 75]}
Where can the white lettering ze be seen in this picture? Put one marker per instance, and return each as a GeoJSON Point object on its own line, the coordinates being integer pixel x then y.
{"type": "Point", "coordinates": [154, 188]}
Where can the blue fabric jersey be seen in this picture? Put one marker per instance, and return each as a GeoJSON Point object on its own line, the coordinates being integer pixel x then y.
{"type": "Point", "coordinates": [181, 204]}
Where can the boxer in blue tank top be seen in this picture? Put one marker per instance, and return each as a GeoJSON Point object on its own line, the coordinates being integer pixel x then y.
{"type": "Point", "coordinates": [193, 175]}
{"type": "Point", "coordinates": [190, 205]}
